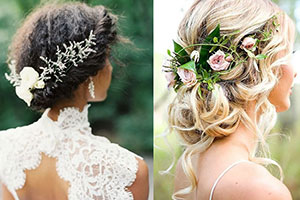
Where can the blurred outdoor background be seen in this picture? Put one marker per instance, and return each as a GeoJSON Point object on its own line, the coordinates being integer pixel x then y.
{"type": "Point", "coordinates": [126, 116]}
{"type": "Point", "coordinates": [285, 150]}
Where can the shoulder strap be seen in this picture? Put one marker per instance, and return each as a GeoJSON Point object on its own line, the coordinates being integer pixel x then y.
{"type": "Point", "coordinates": [222, 174]}
{"type": "Point", "coordinates": [14, 194]}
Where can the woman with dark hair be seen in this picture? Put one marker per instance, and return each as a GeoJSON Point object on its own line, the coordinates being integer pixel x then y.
{"type": "Point", "coordinates": [59, 62]}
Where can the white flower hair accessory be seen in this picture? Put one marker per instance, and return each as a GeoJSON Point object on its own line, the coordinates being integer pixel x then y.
{"type": "Point", "coordinates": [216, 55]}
{"type": "Point", "coordinates": [29, 78]}
{"type": "Point", "coordinates": [195, 56]}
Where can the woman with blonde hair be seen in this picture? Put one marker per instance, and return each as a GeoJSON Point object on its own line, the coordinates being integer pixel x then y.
{"type": "Point", "coordinates": [59, 61]}
{"type": "Point", "coordinates": [231, 70]}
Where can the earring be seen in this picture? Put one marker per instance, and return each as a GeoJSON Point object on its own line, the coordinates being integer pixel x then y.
{"type": "Point", "coordinates": [92, 88]}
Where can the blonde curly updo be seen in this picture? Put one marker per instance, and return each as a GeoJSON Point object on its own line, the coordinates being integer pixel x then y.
{"type": "Point", "coordinates": [218, 114]}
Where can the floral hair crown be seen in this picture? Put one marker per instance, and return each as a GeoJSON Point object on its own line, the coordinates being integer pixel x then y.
{"type": "Point", "coordinates": [29, 79]}
{"type": "Point", "coordinates": [217, 56]}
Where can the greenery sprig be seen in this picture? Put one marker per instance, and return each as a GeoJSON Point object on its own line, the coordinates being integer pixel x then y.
{"type": "Point", "coordinates": [217, 55]}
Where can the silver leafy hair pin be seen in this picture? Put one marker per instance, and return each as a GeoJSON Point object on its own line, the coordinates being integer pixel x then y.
{"type": "Point", "coordinates": [69, 57]}
{"type": "Point", "coordinates": [29, 79]}
{"type": "Point", "coordinates": [13, 77]}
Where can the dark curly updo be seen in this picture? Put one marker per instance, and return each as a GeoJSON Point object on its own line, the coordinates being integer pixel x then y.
{"type": "Point", "coordinates": [53, 25]}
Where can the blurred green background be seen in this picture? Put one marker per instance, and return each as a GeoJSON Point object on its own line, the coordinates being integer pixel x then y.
{"type": "Point", "coordinates": [126, 115]}
{"type": "Point", "coordinates": [285, 149]}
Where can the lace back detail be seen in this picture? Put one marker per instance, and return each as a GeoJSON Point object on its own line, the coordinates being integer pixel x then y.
{"type": "Point", "coordinates": [72, 117]}
{"type": "Point", "coordinates": [94, 168]}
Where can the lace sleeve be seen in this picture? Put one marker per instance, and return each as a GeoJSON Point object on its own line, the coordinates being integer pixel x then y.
{"type": "Point", "coordinates": [6, 145]}
{"type": "Point", "coordinates": [106, 170]}
{"type": "Point", "coordinates": [19, 151]}
{"type": "Point", "coordinates": [2, 142]}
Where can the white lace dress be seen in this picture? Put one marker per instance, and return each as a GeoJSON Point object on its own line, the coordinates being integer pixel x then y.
{"type": "Point", "coordinates": [94, 168]}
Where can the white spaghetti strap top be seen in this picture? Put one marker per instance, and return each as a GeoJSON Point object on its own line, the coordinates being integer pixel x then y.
{"type": "Point", "coordinates": [222, 174]}
{"type": "Point", "coordinates": [14, 194]}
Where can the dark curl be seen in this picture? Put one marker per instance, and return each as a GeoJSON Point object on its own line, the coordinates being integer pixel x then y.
{"type": "Point", "coordinates": [53, 25]}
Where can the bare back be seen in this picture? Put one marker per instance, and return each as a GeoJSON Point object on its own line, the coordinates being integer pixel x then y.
{"type": "Point", "coordinates": [44, 183]}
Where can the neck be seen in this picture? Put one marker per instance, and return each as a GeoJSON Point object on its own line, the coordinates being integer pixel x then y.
{"type": "Point", "coordinates": [78, 101]}
{"type": "Point", "coordinates": [243, 141]}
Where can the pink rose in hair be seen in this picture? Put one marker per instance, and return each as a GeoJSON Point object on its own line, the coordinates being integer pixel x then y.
{"type": "Point", "coordinates": [170, 76]}
{"type": "Point", "coordinates": [188, 77]}
{"type": "Point", "coordinates": [248, 43]}
{"type": "Point", "coordinates": [217, 61]}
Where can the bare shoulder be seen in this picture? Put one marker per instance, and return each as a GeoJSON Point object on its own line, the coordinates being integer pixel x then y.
{"type": "Point", "coordinates": [140, 187]}
{"type": "Point", "coordinates": [250, 181]}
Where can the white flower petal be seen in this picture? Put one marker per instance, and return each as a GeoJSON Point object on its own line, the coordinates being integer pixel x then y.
{"type": "Point", "coordinates": [24, 94]}
{"type": "Point", "coordinates": [28, 77]}
{"type": "Point", "coordinates": [195, 55]}
{"type": "Point", "coordinates": [39, 84]}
